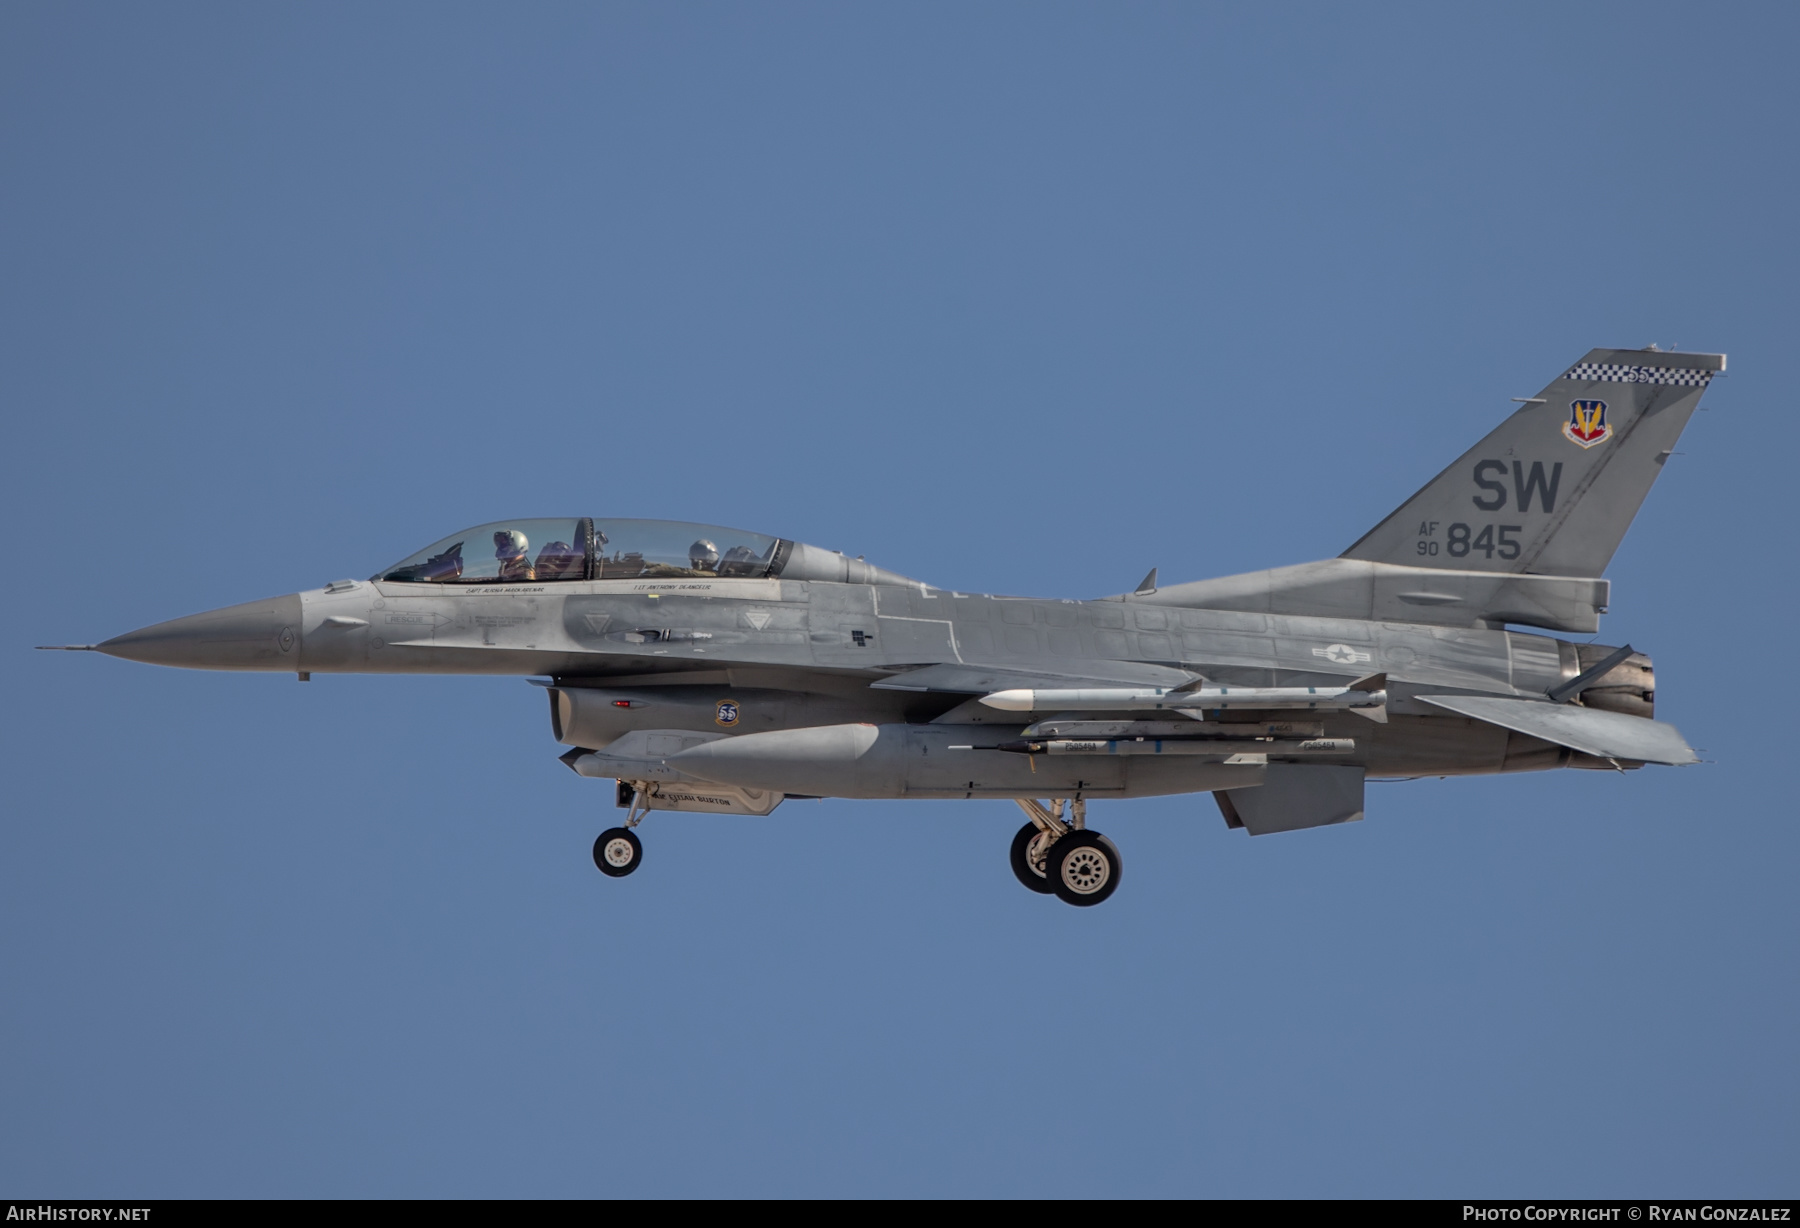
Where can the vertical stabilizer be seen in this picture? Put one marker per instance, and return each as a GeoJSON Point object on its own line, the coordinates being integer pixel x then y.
{"type": "Point", "coordinates": [1552, 489]}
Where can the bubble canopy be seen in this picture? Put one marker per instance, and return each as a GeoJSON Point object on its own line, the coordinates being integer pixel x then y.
{"type": "Point", "coordinates": [535, 551]}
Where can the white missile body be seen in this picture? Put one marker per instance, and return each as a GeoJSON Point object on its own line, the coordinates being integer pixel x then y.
{"type": "Point", "coordinates": [1200, 699]}
{"type": "Point", "coordinates": [1233, 750]}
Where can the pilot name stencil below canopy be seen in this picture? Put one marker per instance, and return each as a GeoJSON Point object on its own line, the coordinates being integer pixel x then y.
{"type": "Point", "coordinates": [710, 669]}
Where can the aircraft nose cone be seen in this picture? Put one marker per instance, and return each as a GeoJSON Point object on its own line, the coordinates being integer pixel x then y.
{"type": "Point", "coordinates": [255, 635]}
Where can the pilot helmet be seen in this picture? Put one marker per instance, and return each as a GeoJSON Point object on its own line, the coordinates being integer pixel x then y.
{"type": "Point", "coordinates": [703, 555]}
{"type": "Point", "coordinates": [510, 544]}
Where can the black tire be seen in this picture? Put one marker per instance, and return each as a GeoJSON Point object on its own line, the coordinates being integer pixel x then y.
{"type": "Point", "coordinates": [1084, 868]}
{"type": "Point", "coordinates": [1021, 862]}
{"type": "Point", "coordinates": [610, 852]}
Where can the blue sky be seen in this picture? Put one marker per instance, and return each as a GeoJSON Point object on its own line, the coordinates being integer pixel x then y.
{"type": "Point", "coordinates": [1014, 298]}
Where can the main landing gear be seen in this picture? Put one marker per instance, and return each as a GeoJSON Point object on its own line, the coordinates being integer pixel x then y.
{"type": "Point", "coordinates": [1054, 856]}
{"type": "Point", "coordinates": [618, 852]}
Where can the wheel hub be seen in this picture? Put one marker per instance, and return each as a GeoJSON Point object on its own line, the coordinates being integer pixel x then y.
{"type": "Point", "coordinates": [1085, 871]}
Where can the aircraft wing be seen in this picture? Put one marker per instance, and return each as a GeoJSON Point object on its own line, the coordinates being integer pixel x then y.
{"type": "Point", "coordinates": [1610, 735]}
{"type": "Point", "coordinates": [986, 679]}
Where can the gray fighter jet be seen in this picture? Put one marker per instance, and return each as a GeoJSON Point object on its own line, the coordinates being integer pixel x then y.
{"type": "Point", "coordinates": [709, 669]}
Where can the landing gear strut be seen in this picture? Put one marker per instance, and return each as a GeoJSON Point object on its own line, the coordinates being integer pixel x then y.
{"type": "Point", "coordinates": [618, 852]}
{"type": "Point", "coordinates": [1054, 856]}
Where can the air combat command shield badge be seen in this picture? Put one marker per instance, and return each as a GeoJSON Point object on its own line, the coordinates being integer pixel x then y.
{"type": "Point", "coordinates": [1587, 423]}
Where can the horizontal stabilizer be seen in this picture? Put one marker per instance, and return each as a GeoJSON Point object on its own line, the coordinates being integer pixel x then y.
{"type": "Point", "coordinates": [1608, 735]}
{"type": "Point", "coordinates": [985, 679]}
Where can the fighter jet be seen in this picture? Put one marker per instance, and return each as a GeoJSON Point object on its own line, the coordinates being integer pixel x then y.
{"type": "Point", "coordinates": [712, 669]}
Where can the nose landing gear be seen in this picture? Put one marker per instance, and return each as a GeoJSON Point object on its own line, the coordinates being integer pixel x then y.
{"type": "Point", "coordinates": [618, 852]}
{"type": "Point", "coordinates": [1052, 856]}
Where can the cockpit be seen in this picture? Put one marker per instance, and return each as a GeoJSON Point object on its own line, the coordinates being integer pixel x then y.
{"type": "Point", "coordinates": [536, 551]}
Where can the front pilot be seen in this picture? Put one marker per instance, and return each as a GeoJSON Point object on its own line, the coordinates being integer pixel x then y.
{"type": "Point", "coordinates": [510, 548]}
{"type": "Point", "coordinates": [703, 556]}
